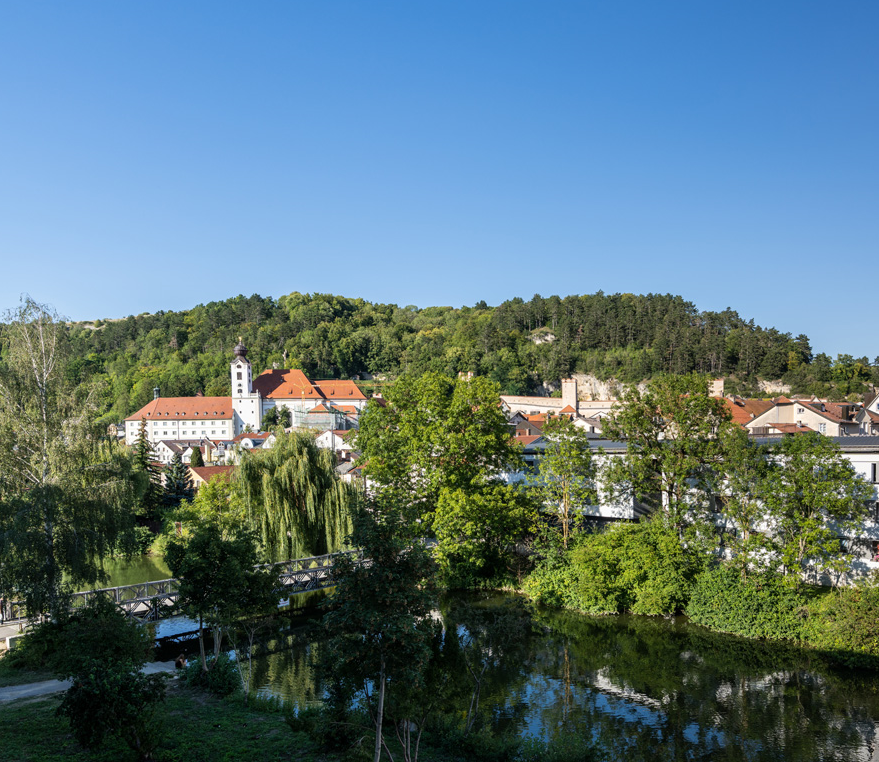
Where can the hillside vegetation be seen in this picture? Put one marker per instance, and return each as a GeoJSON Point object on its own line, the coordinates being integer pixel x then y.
{"type": "Point", "coordinates": [520, 344]}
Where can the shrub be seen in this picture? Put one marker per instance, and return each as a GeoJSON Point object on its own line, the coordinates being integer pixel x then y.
{"type": "Point", "coordinates": [99, 631]}
{"type": "Point", "coordinates": [221, 677]}
{"type": "Point", "coordinates": [760, 605]}
{"type": "Point", "coordinates": [845, 624]}
{"type": "Point", "coordinates": [644, 568]}
{"type": "Point", "coordinates": [108, 698]}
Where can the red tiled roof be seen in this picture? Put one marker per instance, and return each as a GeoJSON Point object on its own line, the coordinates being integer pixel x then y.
{"type": "Point", "coordinates": [568, 409]}
{"type": "Point", "coordinates": [338, 390]}
{"type": "Point", "coordinates": [744, 411]}
{"type": "Point", "coordinates": [348, 409]}
{"type": "Point", "coordinates": [206, 473]}
{"type": "Point", "coordinates": [284, 384]}
{"type": "Point", "coordinates": [791, 428]}
{"type": "Point", "coordinates": [527, 440]}
{"type": "Point", "coordinates": [319, 409]}
{"type": "Point", "coordinates": [252, 435]}
{"type": "Point", "coordinates": [174, 408]}
{"type": "Point", "coordinates": [782, 401]}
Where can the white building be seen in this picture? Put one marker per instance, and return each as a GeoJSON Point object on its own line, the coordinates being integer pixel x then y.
{"type": "Point", "coordinates": [328, 404]}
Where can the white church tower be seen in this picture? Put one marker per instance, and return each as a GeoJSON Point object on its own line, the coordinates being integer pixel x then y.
{"type": "Point", "coordinates": [245, 402]}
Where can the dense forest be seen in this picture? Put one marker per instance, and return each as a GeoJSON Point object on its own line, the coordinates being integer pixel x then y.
{"type": "Point", "coordinates": [523, 345]}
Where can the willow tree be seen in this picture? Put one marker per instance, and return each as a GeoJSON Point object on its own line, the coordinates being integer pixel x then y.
{"type": "Point", "coordinates": [294, 499]}
{"type": "Point", "coordinates": [66, 494]}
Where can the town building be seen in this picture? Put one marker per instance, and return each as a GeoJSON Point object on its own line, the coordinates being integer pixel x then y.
{"type": "Point", "coordinates": [326, 404]}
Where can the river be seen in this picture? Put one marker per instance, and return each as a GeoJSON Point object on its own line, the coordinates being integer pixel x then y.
{"type": "Point", "coordinates": [642, 688]}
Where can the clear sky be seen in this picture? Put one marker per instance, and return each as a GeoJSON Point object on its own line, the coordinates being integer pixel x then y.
{"type": "Point", "coordinates": [157, 155]}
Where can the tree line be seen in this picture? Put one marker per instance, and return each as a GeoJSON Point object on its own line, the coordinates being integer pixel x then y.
{"type": "Point", "coordinates": [518, 344]}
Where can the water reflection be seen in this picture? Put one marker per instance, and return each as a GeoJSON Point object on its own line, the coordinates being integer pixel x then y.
{"type": "Point", "coordinates": [644, 689]}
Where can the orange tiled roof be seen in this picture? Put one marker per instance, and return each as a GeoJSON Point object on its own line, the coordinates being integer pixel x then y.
{"type": "Point", "coordinates": [339, 390]}
{"type": "Point", "coordinates": [206, 473]}
{"type": "Point", "coordinates": [744, 411]}
{"type": "Point", "coordinates": [285, 384]}
{"type": "Point", "coordinates": [319, 409]}
{"type": "Point", "coordinates": [174, 408]}
{"type": "Point", "coordinates": [568, 409]}
{"type": "Point", "coordinates": [348, 409]}
{"type": "Point", "coordinates": [791, 428]}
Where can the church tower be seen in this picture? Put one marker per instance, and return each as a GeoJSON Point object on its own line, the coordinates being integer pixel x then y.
{"type": "Point", "coordinates": [246, 403]}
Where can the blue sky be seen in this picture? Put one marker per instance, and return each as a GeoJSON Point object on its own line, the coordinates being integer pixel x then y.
{"type": "Point", "coordinates": [156, 155]}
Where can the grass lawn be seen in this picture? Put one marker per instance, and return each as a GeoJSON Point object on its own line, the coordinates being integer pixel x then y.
{"type": "Point", "coordinates": [11, 676]}
{"type": "Point", "coordinates": [198, 727]}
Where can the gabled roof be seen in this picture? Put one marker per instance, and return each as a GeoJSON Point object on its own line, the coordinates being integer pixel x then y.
{"type": "Point", "coordinates": [568, 409]}
{"type": "Point", "coordinates": [744, 411]}
{"type": "Point", "coordinates": [791, 428]}
{"type": "Point", "coordinates": [286, 383]}
{"type": "Point", "coordinates": [206, 473]}
{"type": "Point", "coordinates": [339, 390]}
{"type": "Point", "coordinates": [320, 409]}
{"type": "Point", "coordinates": [175, 408]}
{"type": "Point", "coordinates": [259, 436]}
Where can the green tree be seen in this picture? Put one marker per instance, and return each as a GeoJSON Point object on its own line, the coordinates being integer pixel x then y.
{"type": "Point", "coordinates": [112, 697]}
{"type": "Point", "coordinates": [566, 479]}
{"type": "Point", "coordinates": [435, 433]}
{"type": "Point", "coordinates": [196, 460]}
{"type": "Point", "coordinates": [815, 497]}
{"type": "Point", "coordinates": [673, 446]}
{"type": "Point", "coordinates": [293, 498]}
{"type": "Point", "coordinates": [219, 501]}
{"type": "Point", "coordinates": [66, 494]}
{"type": "Point", "coordinates": [145, 464]}
{"type": "Point", "coordinates": [477, 529]}
{"type": "Point", "coordinates": [378, 626]}
{"type": "Point", "coordinates": [276, 416]}
{"type": "Point", "coordinates": [743, 498]}
{"type": "Point", "coordinates": [178, 484]}
{"type": "Point", "coordinates": [218, 583]}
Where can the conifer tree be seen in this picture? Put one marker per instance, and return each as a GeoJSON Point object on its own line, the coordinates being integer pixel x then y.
{"type": "Point", "coordinates": [196, 460]}
{"type": "Point", "coordinates": [145, 464]}
{"type": "Point", "coordinates": [178, 486]}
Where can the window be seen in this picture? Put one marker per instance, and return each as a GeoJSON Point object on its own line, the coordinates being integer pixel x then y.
{"type": "Point", "coordinates": [800, 411]}
{"type": "Point", "coordinates": [239, 375]}
{"type": "Point", "coordinates": [873, 472]}
{"type": "Point", "coordinates": [822, 427]}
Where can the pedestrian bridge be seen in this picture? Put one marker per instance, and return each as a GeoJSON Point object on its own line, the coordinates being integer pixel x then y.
{"type": "Point", "coordinates": [149, 601]}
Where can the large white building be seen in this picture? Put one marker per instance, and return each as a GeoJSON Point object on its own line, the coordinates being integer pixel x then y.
{"type": "Point", "coordinates": [326, 404]}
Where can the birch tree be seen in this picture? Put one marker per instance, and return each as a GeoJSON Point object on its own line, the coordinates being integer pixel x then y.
{"type": "Point", "coordinates": [66, 493]}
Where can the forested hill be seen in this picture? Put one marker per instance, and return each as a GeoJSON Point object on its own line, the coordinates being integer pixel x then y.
{"type": "Point", "coordinates": [520, 344]}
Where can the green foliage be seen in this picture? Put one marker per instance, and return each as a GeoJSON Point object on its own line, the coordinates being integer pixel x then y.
{"type": "Point", "coordinates": [178, 484]}
{"type": "Point", "coordinates": [435, 434]}
{"type": "Point", "coordinates": [196, 460]}
{"type": "Point", "coordinates": [378, 627]}
{"type": "Point", "coordinates": [217, 501]}
{"type": "Point", "coordinates": [566, 481]}
{"type": "Point", "coordinates": [626, 336]}
{"type": "Point", "coordinates": [218, 583]}
{"type": "Point", "coordinates": [477, 530]}
{"type": "Point", "coordinates": [293, 498]}
{"type": "Point", "coordinates": [814, 496]}
{"type": "Point", "coordinates": [150, 473]}
{"type": "Point", "coordinates": [109, 698]}
{"type": "Point", "coordinates": [673, 451]}
{"type": "Point", "coordinates": [66, 494]}
{"type": "Point", "coordinates": [760, 605]}
{"type": "Point", "coordinates": [275, 417]}
{"type": "Point", "coordinates": [642, 568]}
{"type": "Point", "coordinates": [219, 676]}
{"type": "Point", "coordinates": [845, 624]}
{"type": "Point", "coordinates": [97, 631]}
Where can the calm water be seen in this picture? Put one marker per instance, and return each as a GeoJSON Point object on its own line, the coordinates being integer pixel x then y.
{"type": "Point", "coordinates": [644, 689]}
{"type": "Point", "coordinates": [131, 571]}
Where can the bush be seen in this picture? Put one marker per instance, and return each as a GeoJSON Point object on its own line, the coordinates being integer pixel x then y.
{"type": "Point", "coordinates": [109, 698]}
{"type": "Point", "coordinates": [845, 624]}
{"type": "Point", "coordinates": [221, 677]}
{"type": "Point", "coordinates": [761, 605]}
{"type": "Point", "coordinates": [643, 568]}
{"type": "Point", "coordinates": [99, 631]}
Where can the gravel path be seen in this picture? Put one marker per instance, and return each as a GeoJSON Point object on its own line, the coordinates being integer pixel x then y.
{"type": "Point", "coordinates": [29, 690]}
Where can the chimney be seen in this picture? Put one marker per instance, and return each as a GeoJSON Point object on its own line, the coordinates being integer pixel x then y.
{"type": "Point", "coordinates": [155, 392]}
